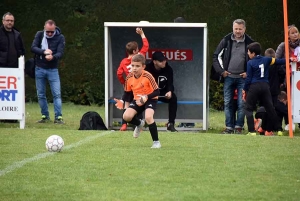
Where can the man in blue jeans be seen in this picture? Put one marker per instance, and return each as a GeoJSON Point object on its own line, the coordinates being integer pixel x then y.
{"type": "Point", "coordinates": [230, 62]}
{"type": "Point", "coordinates": [48, 46]}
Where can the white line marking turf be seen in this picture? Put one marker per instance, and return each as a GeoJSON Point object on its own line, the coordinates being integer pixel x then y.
{"type": "Point", "coordinates": [20, 164]}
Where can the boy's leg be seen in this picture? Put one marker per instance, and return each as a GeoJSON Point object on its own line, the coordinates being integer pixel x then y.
{"type": "Point", "coordinates": [131, 116]}
{"type": "Point", "coordinates": [280, 116]}
{"type": "Point", "coordinates": [250, 105]}
{"type": "Point", "coordinates": [127, 102]}
{"type": "Point", "coordinates": [150, 107]}
{"type": "Point", "coordinates": [124, 123]}
{"type": "Point", "coordinates": [267, 102]}
{"type": "Point", "coordinates": [149, 113]}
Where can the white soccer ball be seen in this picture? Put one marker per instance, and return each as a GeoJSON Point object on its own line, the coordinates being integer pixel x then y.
{"type": "Point", "coordinates": [54, 143]}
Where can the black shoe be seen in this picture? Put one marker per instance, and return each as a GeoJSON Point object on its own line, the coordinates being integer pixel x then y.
{"type": "Point", "coordinates": [44, 119]}
{"type": "Point", "coordinates": [227, 131]}
{"type": "Point", "coordinates": [171, 128]}
{"type": "Point", "coordinates": [59, 120]}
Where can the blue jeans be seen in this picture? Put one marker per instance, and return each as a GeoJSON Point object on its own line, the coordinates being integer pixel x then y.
{"type": "Point", "coordinates": [41, 77]}
{"type": "Point", "coordinates": [230, 84]}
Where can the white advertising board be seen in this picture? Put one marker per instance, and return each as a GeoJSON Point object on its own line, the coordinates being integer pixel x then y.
{"type": "Point", "coordinates": [12, 94]}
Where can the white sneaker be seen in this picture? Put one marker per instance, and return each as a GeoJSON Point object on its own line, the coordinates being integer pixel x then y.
{"type": "Point", "coordinates": [156, 145]}
{"type": "Point", "coordinates": [138, 129]}
{"type": "Point", "coordinates": [287, 127]}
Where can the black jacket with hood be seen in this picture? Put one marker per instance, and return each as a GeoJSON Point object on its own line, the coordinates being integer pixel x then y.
{"type": "Point", "coordinates": [163, 77]}
{"type": "Point", "coordinates": [222, 54]}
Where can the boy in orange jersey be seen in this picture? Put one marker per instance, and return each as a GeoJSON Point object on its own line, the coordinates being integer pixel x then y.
{"type": "Point", "coordinates": [145, 94]}
{"type": "Point", "coordinates": [125, 65]}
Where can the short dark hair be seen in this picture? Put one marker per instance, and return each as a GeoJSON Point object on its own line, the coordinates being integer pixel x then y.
{"type": "Point", "coordinates": [270, 52]}
{"type": "Point", "coordinates": [254, 47]}
{"type": "Point", "coordinates": [8, 13]}
{"type": "Point", "coordinates": [139, 58]}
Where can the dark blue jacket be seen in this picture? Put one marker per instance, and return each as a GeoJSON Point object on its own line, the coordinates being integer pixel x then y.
{"type": "Point", "coordinates": [56, 44]}
{"type": "Point", "coordinates": [258, 69]}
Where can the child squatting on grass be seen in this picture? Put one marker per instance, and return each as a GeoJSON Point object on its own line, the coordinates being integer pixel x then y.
{"type": "Point", "coordinates": [145, 94]}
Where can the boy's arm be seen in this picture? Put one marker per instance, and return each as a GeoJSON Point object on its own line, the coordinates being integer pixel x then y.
{"type": "Point", "coordinates": [277, 61]}
{"type": "Point", "coordinates": [154, 86]}
{"type": "Point", "coordinates": [144, 98]}
{"type": "Point", "coordinates": [120, 74]}
{"type": "Point", "coordinates": [125, 98]}
{"type": "Point", "coordinates": [281, 74]}
{"type": "Point", "coordinates": [153, 94]}
{"type": "Point", "coordinates": [249, 77]}
{"type": "Point", "coordinates": [145, 47]}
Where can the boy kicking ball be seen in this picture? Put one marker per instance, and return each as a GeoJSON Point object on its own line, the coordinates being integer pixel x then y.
{"type": "Point", "coordinates": [145, 92]}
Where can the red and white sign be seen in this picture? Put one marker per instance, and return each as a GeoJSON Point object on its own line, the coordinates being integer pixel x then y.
{"type": "Point", "coordinates": [173, 54]}
{"type": "Point", "coordinates": [12, 93]}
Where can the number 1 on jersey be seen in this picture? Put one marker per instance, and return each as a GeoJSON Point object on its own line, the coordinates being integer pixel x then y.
{"type": "Point", "coordinates": [262, 70]}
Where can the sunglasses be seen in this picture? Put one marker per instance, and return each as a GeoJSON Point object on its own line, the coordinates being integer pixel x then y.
{"type": "Point", "coordinates": [49, 32]}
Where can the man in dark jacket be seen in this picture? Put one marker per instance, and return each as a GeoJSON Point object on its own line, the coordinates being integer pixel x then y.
{"type": "Point", "coordinates": [230, 62]}
{"type": "Point", "coordinates": [11, 43]}
{"type": "Point", "coordinates": [48, 51]}
{"type": "Point", "coordinates": [163, 74]}
{"type": "Point", "coordinates": [11, 46]}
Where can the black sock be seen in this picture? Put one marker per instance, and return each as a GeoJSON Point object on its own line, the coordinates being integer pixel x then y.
{"type": "Point", "coordinates": [135, 121]}
{"type": "Point", "coordinates": [123, 121]}
{"type": "Point", "coordinates": [153, 131]}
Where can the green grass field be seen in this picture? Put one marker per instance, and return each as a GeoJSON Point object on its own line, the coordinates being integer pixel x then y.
{"type": "Point", "coordinates": [108, 165]}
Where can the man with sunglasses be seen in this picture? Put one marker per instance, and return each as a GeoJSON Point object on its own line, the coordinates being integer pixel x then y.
{"type": "Point", "coordinates": [11, 43]}
{"type": "Point", "coordinates": [48, 46]}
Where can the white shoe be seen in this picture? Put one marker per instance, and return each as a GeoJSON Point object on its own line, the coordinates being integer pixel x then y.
{"type": "Point", "coordinates": [287, 127]}
{"type": "Point", "coordinates": [156, 145]}
{"type": "Point", "coordinates": [138, 129]}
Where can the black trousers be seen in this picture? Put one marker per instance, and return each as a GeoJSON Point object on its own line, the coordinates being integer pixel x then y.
{"type": "Point", "coordinates": [260, 91]}
{"type": "Point", "coordinates": [172, 107]}
{"type": "Point", "coordinates": [282, 113]}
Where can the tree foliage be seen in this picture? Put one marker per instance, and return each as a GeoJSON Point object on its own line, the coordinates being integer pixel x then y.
{"type": "Point", "coordinates": [82, 23]}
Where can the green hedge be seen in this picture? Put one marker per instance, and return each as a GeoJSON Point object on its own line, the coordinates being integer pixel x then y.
{"type": "Point", "coordinates": [81, 21]}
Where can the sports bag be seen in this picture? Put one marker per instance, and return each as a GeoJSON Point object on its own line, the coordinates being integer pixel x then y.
{"type": "Point", "coordinates": [91, 121]}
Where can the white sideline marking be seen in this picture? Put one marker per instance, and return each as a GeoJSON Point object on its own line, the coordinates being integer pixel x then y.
{"type": "Point", "coordinates": [20, 164]}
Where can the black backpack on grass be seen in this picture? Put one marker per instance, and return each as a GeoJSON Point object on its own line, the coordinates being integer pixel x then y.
{"type": "Point", "coordinates": [92, 121]}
